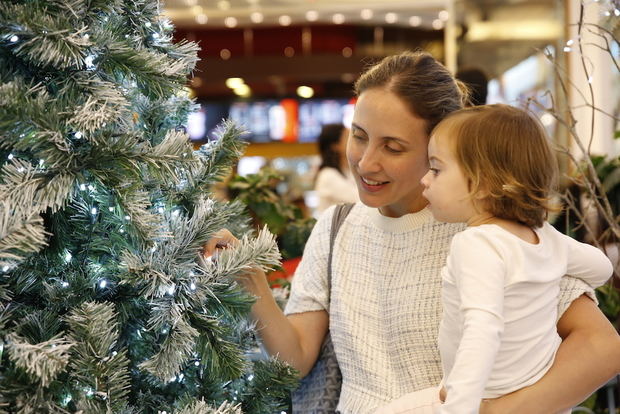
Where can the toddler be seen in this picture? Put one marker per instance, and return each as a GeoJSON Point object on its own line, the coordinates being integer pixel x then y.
{"type": "Point", "coordinates": [492, 168]}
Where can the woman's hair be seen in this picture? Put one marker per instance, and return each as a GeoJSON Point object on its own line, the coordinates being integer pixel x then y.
{"type": "Point", "coordinates": [504, 153]}
{"type": "Point", "coordinates": [424, 84]}
{"type": "Point", "coordinates": [329, 138]}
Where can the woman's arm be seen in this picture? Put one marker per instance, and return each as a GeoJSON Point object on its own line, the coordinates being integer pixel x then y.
{"type": "Point", "coordinates": [588, 357]}
{"type": "Point", "coordinates": [295, 339]}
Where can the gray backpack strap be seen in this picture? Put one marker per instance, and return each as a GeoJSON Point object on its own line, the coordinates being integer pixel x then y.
{"type": "Point", "coordinates": [340, 213]}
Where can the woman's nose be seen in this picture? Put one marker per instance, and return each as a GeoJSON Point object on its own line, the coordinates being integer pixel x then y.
{"type": "Point", "coordinates": [369, 162]}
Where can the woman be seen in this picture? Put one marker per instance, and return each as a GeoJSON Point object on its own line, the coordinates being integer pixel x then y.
{"type": "Point", "coordinates": [385, 309]}
{"type": "Point", "coordinates": [334, 183]}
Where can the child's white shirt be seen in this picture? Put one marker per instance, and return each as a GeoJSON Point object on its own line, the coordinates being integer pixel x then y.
{"type": "Point", "coordinates": [500, 296]}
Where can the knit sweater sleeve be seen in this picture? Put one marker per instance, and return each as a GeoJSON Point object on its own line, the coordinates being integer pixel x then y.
{"type": "Point", "coordinates": [310, 288]}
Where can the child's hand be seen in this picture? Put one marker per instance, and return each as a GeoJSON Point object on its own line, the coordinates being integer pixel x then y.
{"type": "Point", "coordinates": [443, 394]}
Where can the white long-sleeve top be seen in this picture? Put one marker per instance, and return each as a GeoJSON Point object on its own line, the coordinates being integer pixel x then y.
{"type": "Point", "coordinates": [500, 297]}
{"type": "Point", "coordinates": [385, 304]}
{"type": "Point", "coordinates": [332, 187]}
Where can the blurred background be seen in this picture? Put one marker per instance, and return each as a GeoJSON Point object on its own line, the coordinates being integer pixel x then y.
{"type": "Point", "coordinates": [285, 68]}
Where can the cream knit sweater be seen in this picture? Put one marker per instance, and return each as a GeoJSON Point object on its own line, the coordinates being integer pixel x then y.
{"type": "Point", "coordinates": [385, 303]}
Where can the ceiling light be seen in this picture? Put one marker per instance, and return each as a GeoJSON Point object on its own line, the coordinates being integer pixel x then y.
{"type": "Point", "coordinates": [230, 22]}
{"type": "Point", "coordinates": [289, 51]}
{"type": "Point", "coordinates": [233, 83]}
{"type": "Point", "coordinates": [415, 21]}
{"type": "Point", "coordinates": [312, 15]}
{"type": "Point", "coordinates": [366, 14]}
{"type": "Point", "coordinates": [338, 18]}
{"type": "Point", "coordinates": [191, 2]}
{"type": "Point", "coordinates": [223, 5]}
{"type": "Point", "coordinates": [347, 52]}
{"type": "Point", "coordinates": [202, 18]}
{"type": "Point", "coordinates": [225, 54]}
{"type": "Point", "coordinates": [305, 92]}
{"type": "Point", "coordinates": [437, 24]}
{"type": "Point", "coordinates": [444, 15]}
{"type": "Point", "coordinates": [391, 17]}
{"type": "Point", "coordinates": [197, 9]}
{"type": "Point", "coordinates": [284, 20]}
{"type": "Point", "coordinates": [243, 91]}
{"type": "Point", "coordinates": [257, 17]}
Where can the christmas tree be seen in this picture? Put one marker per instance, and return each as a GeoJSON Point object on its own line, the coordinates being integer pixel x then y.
{"type": "Point", "coordinates": [104, 208]}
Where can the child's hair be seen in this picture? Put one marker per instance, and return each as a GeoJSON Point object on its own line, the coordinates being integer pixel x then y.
{"type": "Point", "coordinates": [505, 154]}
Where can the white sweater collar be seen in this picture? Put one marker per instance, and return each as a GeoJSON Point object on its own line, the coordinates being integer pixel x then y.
{"type": "Point", "coordinates": [403, 223]}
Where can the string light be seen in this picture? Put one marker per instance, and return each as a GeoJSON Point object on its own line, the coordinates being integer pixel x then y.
{"type": "Point", "coordinates": [127, 218]}
{"type": "Point", "coordinates": [78, 135]}
{"type": "Point", "coordinates": [64, 284]}
{"type": "Point", "coordinates": [83, 187]}
{"type": "Point", "coordinates": [5, 268]}
{"type": "Point", "coordinates": [93, 211]}
{"type": "Point", "coordinates": [11, 156]}
{"type": "Point", "coordinates": [14, 39]}
{"type": "Point", "coordinates": [103, 283]}
{"type": "Point", "coordinates": [197, 363]}
{"type": "Point", "coordinates": [91, 187]}
{"type": "Point", "coordinates": [68, 257]}
{"type": "Point", "coordinates": [192, 286]}
{"type": "Point", "coordinates": [110, 209]}
{"type": "Point", "coordinates": [89, 62]}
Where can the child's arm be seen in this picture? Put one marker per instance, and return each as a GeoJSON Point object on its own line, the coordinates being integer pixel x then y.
{"type": "Point", "coordinates": [588, 263]}
{"type": "Point", "coordinates": [479, 273]}
{"type": "Point", "coordinates": [588, 357]}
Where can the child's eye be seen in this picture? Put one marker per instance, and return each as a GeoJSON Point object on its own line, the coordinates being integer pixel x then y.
{"type": "Point", "coordinates": [435, 171]}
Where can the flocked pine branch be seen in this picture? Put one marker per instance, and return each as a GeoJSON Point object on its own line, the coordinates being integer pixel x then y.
{"type": "Point", "coordinates": [96, 364]}
{"type": "Point", "coordinates": [44, 360]}
{"type": "Point", "coordinates": [261, 251]}
{"type": "Point", "coordinates": [201, 407]}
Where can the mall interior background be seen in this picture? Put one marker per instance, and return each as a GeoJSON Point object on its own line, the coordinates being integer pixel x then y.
{"type": "Point", "coordinates": [282, 68]}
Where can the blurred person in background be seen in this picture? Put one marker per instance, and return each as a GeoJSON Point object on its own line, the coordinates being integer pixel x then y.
{"type": "Point", "coordinates": [334, 183]}
{"type": "Point", "coordinates": [477, 81]}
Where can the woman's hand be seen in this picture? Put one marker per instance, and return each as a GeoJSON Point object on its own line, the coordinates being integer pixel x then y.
{"type": "Point", "coordinates": [254, 281]}
{"type": "Point", "coordinates": [221, 240]}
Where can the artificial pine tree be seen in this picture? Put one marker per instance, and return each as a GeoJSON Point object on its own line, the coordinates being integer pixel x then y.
{"type": "Point", "coordinates": [104, 208]}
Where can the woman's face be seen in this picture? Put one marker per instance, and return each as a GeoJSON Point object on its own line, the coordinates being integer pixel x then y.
{"type": "Point", "coordinates": [387, 153]}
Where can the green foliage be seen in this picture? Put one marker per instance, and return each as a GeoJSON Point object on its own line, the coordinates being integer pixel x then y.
{"type": "Point", "coordinates": [267, 207]}
{"type": "Point", "coordinates": [104, 209]}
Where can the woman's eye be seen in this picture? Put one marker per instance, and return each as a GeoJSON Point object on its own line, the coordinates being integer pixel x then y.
{"type": "Point", "coordinates": [435, 171]}
{"type": "Point", "coordinates": [392, 149]}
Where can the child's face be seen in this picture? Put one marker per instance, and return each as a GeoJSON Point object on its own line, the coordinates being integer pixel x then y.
{"type": "Point", "coordinates": [445, 186]}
